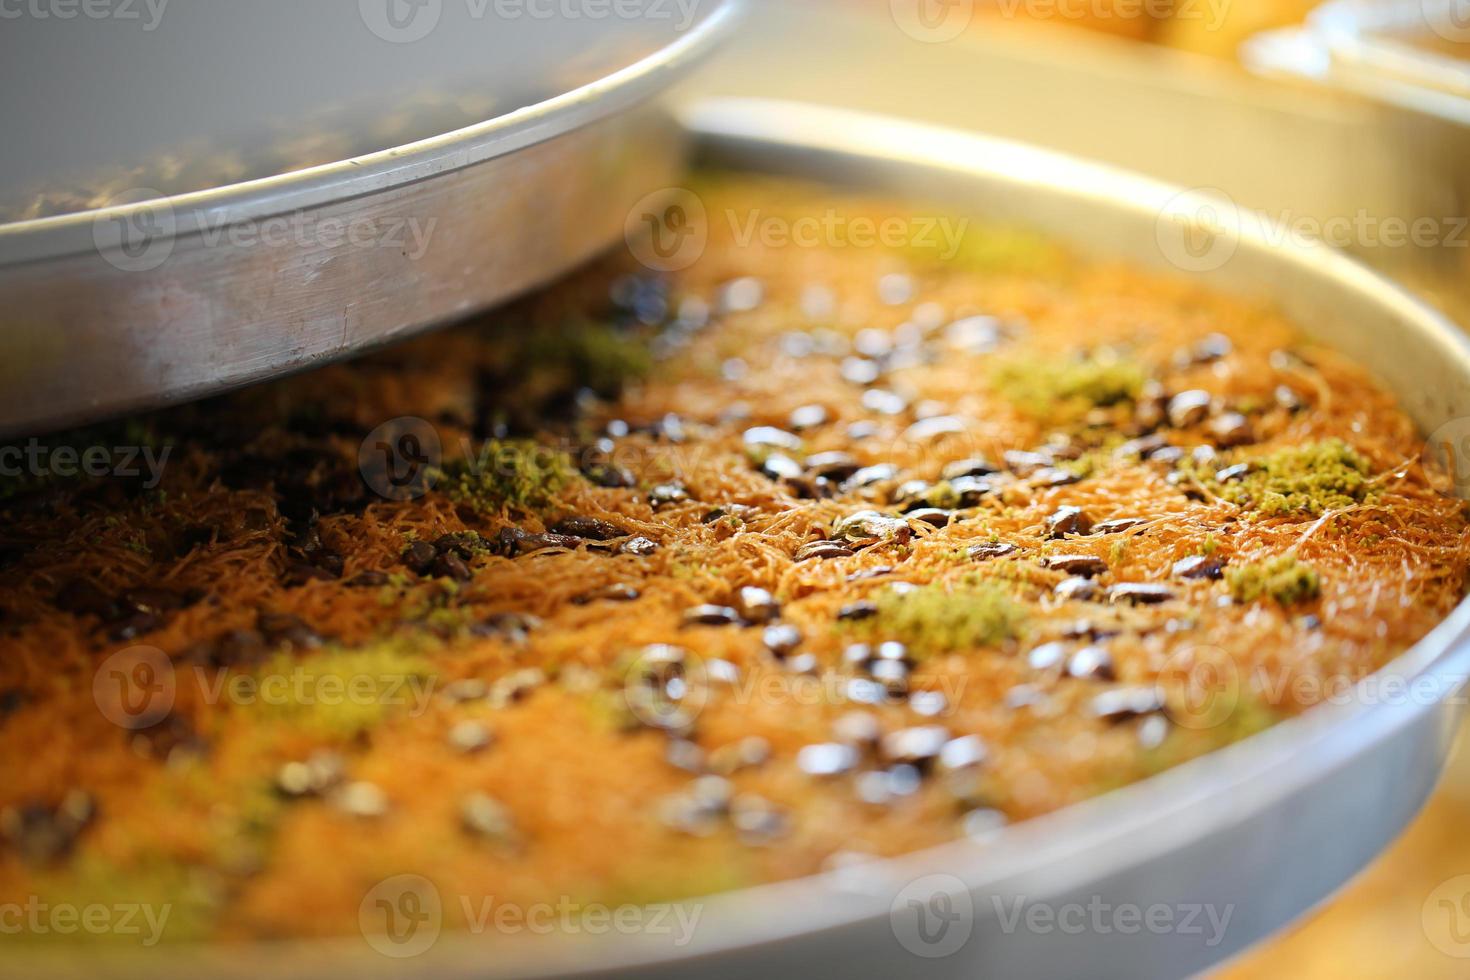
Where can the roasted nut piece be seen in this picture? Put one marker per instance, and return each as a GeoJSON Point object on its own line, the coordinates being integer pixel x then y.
{"type": "Point", "coordinates": [822, 550]}
{"type": "Point", "coordinates": [1087, 566]}
{"type": "Point", "coordinates": [1068, 520]}
{"type": "Point", "coordinates": [1189, 408]}
{"type": "Point", "coordinates": [1139, 593]}
{"type": "Point", "coordinates": [1199, 566]}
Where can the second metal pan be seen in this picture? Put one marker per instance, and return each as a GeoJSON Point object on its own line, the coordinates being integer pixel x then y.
{"type": "Point", "coordinates": [167, 294]}
{"type": "Point", "coordinates": [1231, 847]}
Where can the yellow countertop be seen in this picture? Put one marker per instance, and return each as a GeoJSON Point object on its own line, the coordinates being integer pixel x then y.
{"type": "Point", "coordinates": [1407, 915]}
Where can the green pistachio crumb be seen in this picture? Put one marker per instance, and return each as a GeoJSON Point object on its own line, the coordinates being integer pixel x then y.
{"type": "Point", "coordinates": [933, 620]}
{"type": "Point", "coordinates": [518, 474]}
{"type": "Point", "coordinates": [1062, 390]}
{"type": "Point", "coordinates": [1285, 579]}
{"type": "Point", "coordinates": [1304, 481]}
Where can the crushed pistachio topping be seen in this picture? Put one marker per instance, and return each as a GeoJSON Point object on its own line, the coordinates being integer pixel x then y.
{"type": "Point", "coordinates": [1285, 578]}
{"type": "Point", "coordinates": [519, 474]}
{"type": "Point", "coordinates": [376, 680]}
{"type": "Point", "coordinates": [1061, 390]}
{"type": "Point", "coordinates": [1305, 481]}
{"type": "Point", "coordinates": [585, 353]}
{"type": "Point", "coordinates": [934, 619]}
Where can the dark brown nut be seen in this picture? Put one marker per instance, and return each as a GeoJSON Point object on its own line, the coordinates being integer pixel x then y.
{"type": "Point", "coordinates": [1087, 566]}
{"type": "Point", "coordinates": [1126, 703]}
{"type": "Point", "coordinates": [419, 556]}
{"type": "Point", "coordinates": [1199, 567]}
{"type": "Point", "coordinates": [834, 466]}
{"type": "Point", "coordinates": [779, 466]}
{"type": "Point", "coordinates": [1092, 663]}
{"type": "Point", "coordinates": [1068, 520]}
{"type": "Point", "coordinates": [1232, 429]}
{"type": "Point", "coordinates": [1189, 408]}
{"type": "Point", "coordinates": [756, 606]}
{"type": "Point", "coordinates": [1139, 593]}
{"type": "Point", "coordinates": [782, 639]}
{"type": "Point", "coordinates": [969, 467]}
{"type": "Point", "coordinates": [588, 528]}
{"type": "Point", "coordinates": [1077, 590]}
{"type": "Point", "coordinates": [711, 616]}
{"type": "Point", "coordinates": [822, 550]}
{"type": "Point", "coordinates": [1119, 525]}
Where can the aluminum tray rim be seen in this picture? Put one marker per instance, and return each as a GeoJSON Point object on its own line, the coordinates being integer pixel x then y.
{"type": "Point", "coordinates": [384, 170]}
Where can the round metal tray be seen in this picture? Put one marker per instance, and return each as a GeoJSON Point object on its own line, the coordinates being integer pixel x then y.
{"type": "Point", "coordinates": [157, 299]}
{"type": "Point", "coordinates": [1231, 847]}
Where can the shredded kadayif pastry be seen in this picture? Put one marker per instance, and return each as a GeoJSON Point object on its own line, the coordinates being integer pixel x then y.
{"type": "Point", "coordinates": [654, 586]}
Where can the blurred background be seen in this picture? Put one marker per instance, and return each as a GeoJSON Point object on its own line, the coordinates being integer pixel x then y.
{"type": "Point", "coordinates": [1346, 122]}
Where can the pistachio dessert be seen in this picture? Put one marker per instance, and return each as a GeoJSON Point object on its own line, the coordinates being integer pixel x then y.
{"type": "Point", "coordinates": [654, 586]}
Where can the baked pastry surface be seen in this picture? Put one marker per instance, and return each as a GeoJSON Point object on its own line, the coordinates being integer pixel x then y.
{"type": "Point", "coordinates": [838, 543]}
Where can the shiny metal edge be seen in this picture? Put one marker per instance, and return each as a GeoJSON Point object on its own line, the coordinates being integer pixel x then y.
{"type": "Point", "coordinates": [1364, 49]}
{"type": "Point", "coordinates": [1269, 826]}
{"type": "Point", "coordinates": [69, 234]}
{"type": "Point", "coordinates": [245, 283]}
{"type": "Point", "coordinates": [91, 336]}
